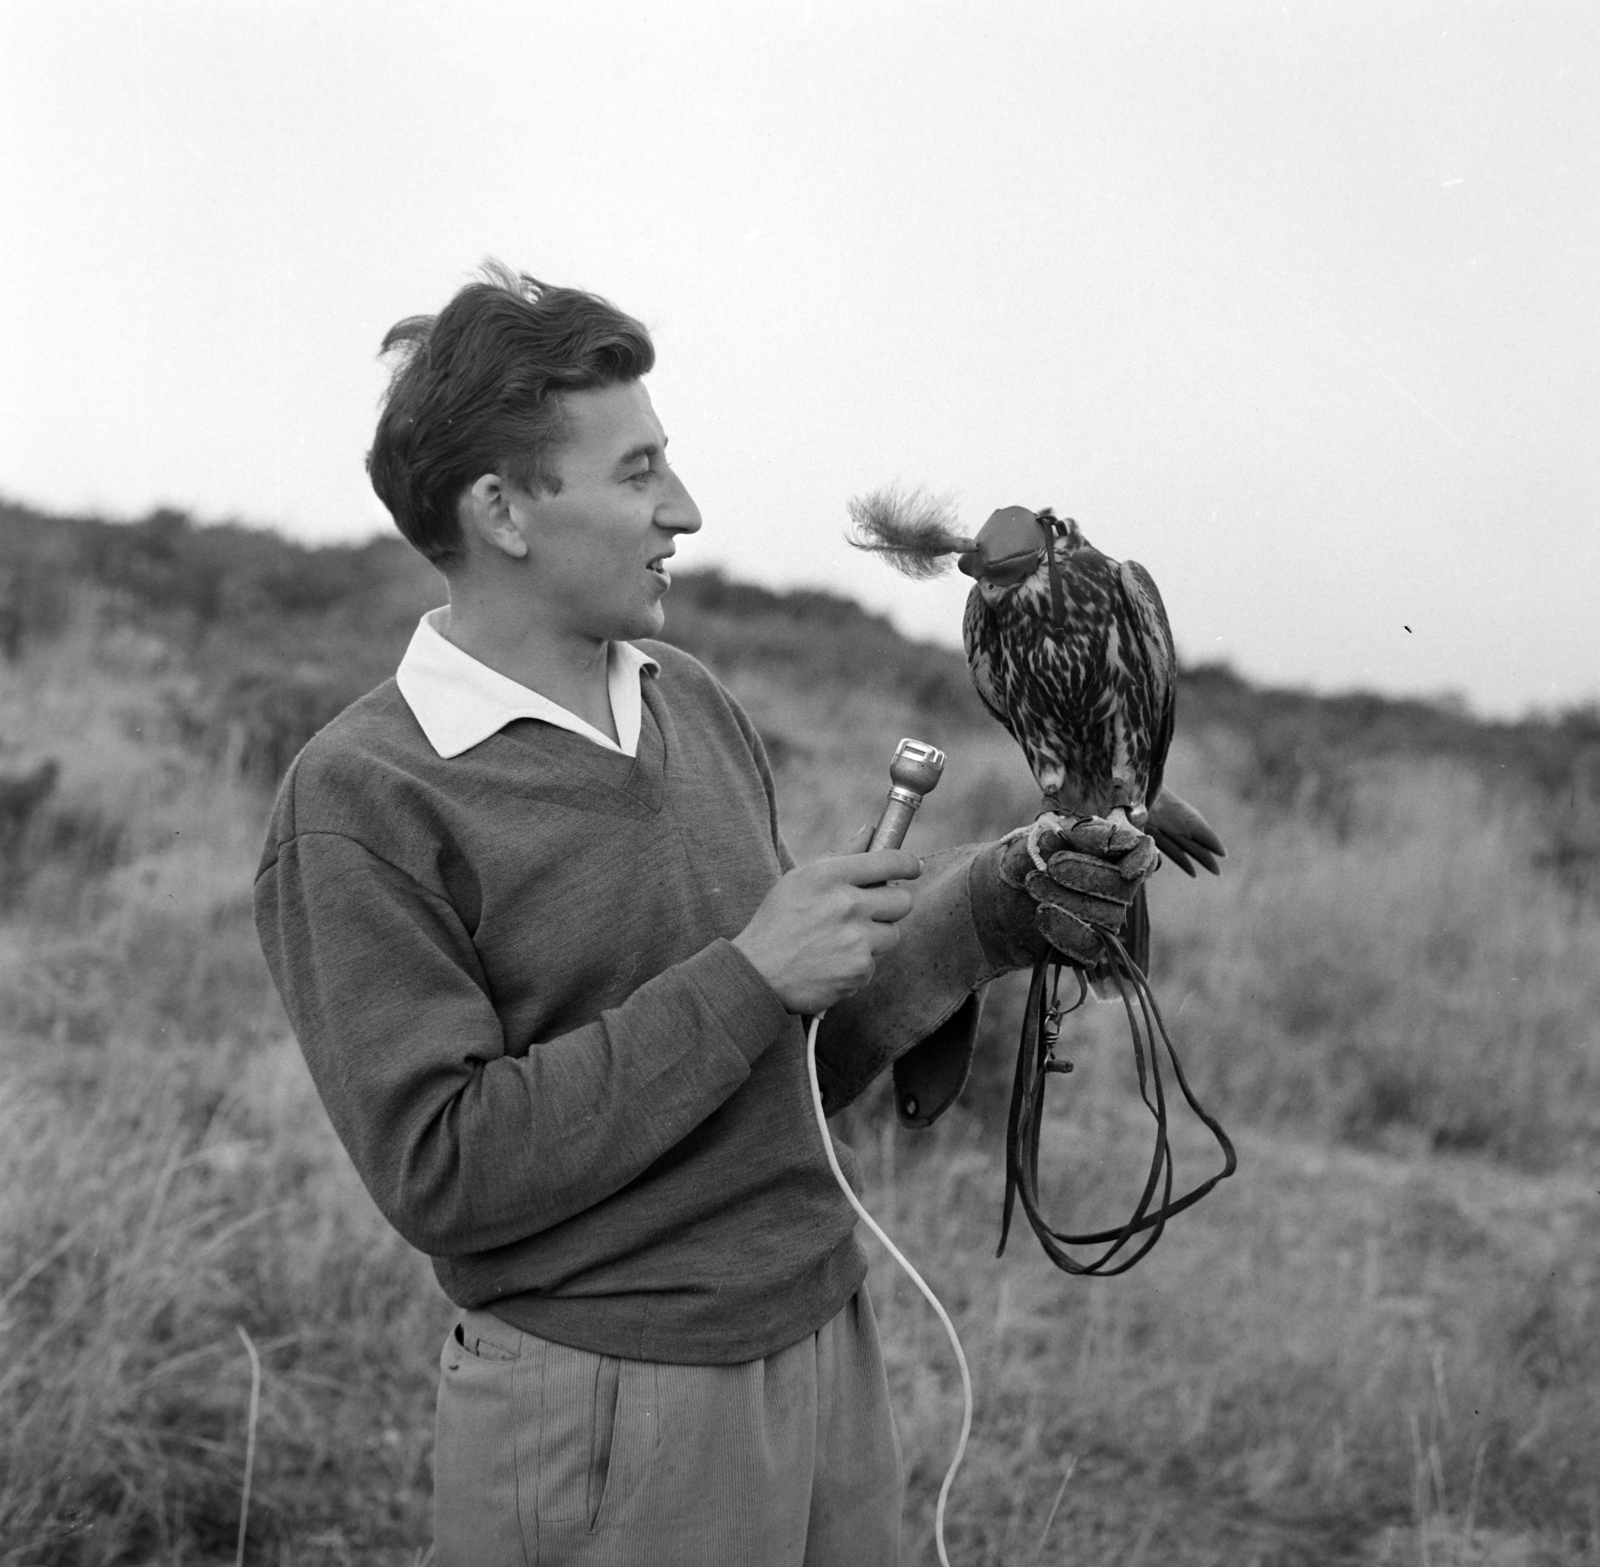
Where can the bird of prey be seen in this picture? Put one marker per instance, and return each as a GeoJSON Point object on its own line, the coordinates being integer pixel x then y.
{"type": "Point", "coordinates": [1072, 652]}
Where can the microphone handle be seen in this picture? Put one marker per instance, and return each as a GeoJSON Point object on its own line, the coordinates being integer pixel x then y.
{"type": "Point", "coordinates": [890, 832]}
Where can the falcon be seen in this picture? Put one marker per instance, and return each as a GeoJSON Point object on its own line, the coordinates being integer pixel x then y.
{"type": "Point", "coordinates": [1071, 651]}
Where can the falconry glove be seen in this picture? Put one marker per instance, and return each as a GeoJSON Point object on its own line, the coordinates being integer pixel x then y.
{"type": "Point", "coordinates": [981, 911]}
{"type": "Point", "coordinates": [1091, 872]}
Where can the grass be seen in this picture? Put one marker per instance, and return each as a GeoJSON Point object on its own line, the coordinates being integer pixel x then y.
{"type": "Point", "coordinates": [180, 1199]}
{"type": "Point", "coordinates": [1337, 1348]}
{"type": "Point", "coordinates": [1416, 979]}
{"type": "Point", "coordinates": [1376, 1344]}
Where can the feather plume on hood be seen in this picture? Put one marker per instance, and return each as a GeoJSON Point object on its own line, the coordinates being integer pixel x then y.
{"type": "Point", "coordinates": [915, 532]}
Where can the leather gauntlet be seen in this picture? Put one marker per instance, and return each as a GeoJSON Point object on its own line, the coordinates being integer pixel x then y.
{"type": "Point", "coordinates": [981, 911]}
{"type": "Point", "coordinates": [1093, 869]}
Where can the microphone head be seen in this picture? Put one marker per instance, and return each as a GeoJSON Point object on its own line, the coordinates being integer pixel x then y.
{"type": "Point", "coordinates": [917, 766]}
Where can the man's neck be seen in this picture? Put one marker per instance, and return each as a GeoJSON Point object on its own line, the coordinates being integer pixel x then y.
{"type": "Point", "coordinates": [572, 672]}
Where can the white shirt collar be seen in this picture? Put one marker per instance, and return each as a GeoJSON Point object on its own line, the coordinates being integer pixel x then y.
{"type": "Point", "coordinates": [459, 702]}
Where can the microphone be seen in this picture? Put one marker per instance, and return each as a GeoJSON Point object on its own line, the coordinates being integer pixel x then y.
{"type": "Point", "coordinates": [914, 772]}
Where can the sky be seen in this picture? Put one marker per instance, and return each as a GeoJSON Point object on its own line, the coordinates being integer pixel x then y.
{"type": "Point", "coordinates": [1296, 304]}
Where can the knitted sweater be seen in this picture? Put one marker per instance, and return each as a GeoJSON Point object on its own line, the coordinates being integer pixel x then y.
{"type": "Point", "coordinates": [511, 976]}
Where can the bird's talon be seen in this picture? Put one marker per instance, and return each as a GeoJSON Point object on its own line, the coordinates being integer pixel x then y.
{"type": "Point", "coordinates": [1047, 821]}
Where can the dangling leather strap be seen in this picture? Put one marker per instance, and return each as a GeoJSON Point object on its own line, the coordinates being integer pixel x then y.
{"type": "Point", "coordinates": [1053, 530]}
{"type": "Point", "coordinates": [1036, 1061]}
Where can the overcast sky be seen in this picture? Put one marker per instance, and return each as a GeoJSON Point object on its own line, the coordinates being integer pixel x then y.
{"type": "Point", "coordinates": [1296, 303]}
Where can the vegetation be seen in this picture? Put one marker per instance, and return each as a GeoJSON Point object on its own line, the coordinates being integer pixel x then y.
{"type": "Point", "coordinates": [1378, 1343]}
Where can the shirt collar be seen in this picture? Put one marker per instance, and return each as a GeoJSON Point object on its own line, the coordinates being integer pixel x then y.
{"type": "Point", "coordinates": [460, 702]}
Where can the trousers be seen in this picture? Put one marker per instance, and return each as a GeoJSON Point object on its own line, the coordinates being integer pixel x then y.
{"type": "Point", "coordinates": [548, 1456]}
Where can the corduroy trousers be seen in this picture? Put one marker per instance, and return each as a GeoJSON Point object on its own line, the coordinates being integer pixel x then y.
{"type": "Point", "coordinates": [547, 1456]}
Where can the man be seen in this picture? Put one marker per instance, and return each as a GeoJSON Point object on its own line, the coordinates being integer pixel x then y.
{"type": "Point", "coordinates": [532, 920]}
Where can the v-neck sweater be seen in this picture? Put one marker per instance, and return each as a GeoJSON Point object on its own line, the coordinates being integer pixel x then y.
{"type": "Point", "coordinates": [512, 977]}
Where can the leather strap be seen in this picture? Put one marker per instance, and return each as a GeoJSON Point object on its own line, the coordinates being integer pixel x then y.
{"type": "Point", "coordinates": [1037, 1062]}
{"type": "Point", "coordinates": [1054, 528]}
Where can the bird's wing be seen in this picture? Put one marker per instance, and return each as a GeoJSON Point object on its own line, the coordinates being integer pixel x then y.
{"type": "Point", "coordinates": [1183, 835]}
{"type": "Point", "coordinates": [1143, 599]}
{"type": "Point", "coordinates": [980, 660]}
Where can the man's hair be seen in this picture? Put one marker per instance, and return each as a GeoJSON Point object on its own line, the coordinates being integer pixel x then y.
{"type": "Point", "coordinates": [477, 391]}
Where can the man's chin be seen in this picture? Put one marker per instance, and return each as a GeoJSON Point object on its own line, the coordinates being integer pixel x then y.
{"type": "Point", "coordinates": [649, 622]}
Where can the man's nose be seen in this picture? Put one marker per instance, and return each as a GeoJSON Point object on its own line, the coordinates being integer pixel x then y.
{"type": "Point", "coordinates": [677, 510]}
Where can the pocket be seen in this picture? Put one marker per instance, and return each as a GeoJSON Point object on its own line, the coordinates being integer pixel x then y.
{"type": "Point", "coordinates": [595, 1434]}
{"type": "Point", "coordinates": [570, 1395]}
{"type": "Point", "coordinates": [633, 1436]}
{"type": "Point", "coordinates": [607, 1386]}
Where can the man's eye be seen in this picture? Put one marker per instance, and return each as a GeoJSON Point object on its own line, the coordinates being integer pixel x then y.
{"type": "Point", "coordinates": [639, 477]}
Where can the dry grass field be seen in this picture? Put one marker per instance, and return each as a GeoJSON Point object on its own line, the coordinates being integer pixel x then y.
{"type": "Point", "coordinates": [1379, 1343]}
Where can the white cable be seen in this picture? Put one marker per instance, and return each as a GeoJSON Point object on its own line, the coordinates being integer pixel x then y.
{"type": "Point", "coordinates": [911, 1273]}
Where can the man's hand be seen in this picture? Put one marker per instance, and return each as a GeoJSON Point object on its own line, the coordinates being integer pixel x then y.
{"type": "Point", "coordinates": [1093, 868]}
{"type": "Point", "coordinates": [819, 931]}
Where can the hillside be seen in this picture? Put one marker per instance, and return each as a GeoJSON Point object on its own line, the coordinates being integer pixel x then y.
{"type": "Point", "coordinates": [1376, 1345]}
{"type": "Point", "coordinates": [287, 634]}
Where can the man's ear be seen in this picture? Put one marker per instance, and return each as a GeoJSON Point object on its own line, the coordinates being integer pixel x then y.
{"type": "Point", "coordinates": [486, 509]}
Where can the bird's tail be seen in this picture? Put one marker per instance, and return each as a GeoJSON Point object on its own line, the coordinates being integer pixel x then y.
{"type": "Point", "coordinates": [915, 532]}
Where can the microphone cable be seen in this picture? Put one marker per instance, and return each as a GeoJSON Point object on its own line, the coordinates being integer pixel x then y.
{"type": "Point", "coordinates": [912, 1274]}
{"type": "Point", "coordinates": [915, 770]}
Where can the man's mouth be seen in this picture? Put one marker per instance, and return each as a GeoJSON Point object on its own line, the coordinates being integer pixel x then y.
{"type": "Point", "coordinates": [659, 567]}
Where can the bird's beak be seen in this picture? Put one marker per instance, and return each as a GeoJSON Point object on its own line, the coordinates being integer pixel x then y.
{"type": "Point", "coordinates": [1004, 572]}
{"type": "Point", "coordinates": [1006, 549]}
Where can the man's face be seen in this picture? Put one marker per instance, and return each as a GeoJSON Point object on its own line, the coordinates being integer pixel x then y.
{"type": "Point", "coordinates": [597, 549]}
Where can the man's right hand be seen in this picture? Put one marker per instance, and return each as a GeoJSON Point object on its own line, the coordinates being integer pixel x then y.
{"type": "Point", "coordinates": [821, 928]}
